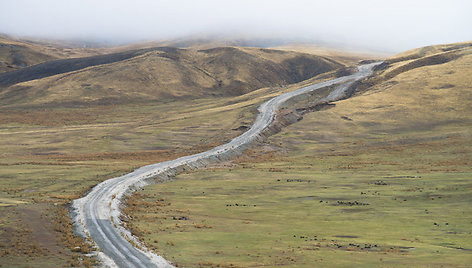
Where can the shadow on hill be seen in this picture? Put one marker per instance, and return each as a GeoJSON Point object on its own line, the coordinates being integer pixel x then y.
{"type": "Point", "coordinates": [54, 67]}
{"type": "Point", "coordinates": [426, 61]}
{"type": "Point", "coordinates": [427, 56]}
{"type": "Point", "coordinates": [158, 74]}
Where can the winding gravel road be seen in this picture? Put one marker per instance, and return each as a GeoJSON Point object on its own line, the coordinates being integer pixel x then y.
{"type": "Point", "coordinates": [96, 215]}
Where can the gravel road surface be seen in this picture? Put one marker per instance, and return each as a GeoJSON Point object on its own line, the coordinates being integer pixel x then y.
{"type": "Point", "coordinates": [96, 215]}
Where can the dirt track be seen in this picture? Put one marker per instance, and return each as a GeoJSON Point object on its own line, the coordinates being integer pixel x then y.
{"type": "Point", "coordinates": [97, 213]}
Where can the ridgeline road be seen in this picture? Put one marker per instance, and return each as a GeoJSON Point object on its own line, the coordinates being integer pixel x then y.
{"type": "Point", "coordinates": [97, 214]}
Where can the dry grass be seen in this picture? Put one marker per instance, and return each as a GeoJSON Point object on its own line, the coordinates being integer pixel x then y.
{"type": "Point", "coordinates": [61, 135]}
{"type": "Point", "coordinates": [53, 155]}
{"type": "Point", "coordinates": [347, 57]}
{"type": "Point", "coordinates": [429, 50]}
{"type": "Point", "coordinates": [19, 53]}
{"type": "Point", "coordinates": [380, 179]}
{"type": "Point", "coordinates": [15, 54]}
{"type": "Point", "coordinates": [168, 74]}
{"type": "Point", "coordinates": [31, 234]}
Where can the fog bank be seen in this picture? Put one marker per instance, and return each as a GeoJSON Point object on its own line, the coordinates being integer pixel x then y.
{"type": "Point", "coordinates": [391, 26]}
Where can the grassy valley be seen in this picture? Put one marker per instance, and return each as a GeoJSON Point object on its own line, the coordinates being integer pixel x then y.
{"type": "Point", "coordinates": [380, 179]}
{"type": "Point", "coordinates": [62, 134]}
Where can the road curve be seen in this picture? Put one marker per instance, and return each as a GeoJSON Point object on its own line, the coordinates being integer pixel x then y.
{"type": "Point", "coordinates": [96, 215]}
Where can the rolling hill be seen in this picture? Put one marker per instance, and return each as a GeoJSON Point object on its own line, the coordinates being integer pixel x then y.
{"type": "Point", "coordinates": [69, 129]}
{"type": "Point", "coordinates": [157, 74]}
{"type": "Point", "coordinates": [400, 148]}
{"type": "Point", "coordinates": [381, 179]}
{"type": "Point", "coordinates": [17, 53]}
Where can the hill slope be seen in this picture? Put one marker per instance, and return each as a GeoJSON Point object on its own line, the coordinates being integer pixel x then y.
{"type": "Point", "coordinates": [52, 154]}
{"type": "Point", "coordinates": [16, 53]}
{"type": "Point", "coordinates": [159, 74]}
{"type": "Point", "coordinates": [60, 66]}
{"type": "Point", "coordinates": [379, 179]}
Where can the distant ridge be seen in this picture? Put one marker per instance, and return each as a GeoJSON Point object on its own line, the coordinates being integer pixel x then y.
{"type": "Point", "coordinates": [67, 65]}
{"type": "Point", "coordinates": [158, 73]}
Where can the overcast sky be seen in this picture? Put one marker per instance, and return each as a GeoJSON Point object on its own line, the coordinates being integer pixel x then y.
{"type": "Point", "coordinates": [393, 25]}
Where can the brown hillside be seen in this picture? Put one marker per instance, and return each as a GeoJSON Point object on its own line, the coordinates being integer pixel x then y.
{"type": "Point", "coordinates": [15, 55]}
{"type": "Point", "coordinates": [18, 53]}
{"type": "Point", "coordinates": [379, 179]}
{"type": "Point", "coordinates": [437, 55]}
{"type": "Point", "coordinates": [169, 73]}
{"type": "Point", "coordinates": [429, 50]}
{"type": "Point", "coordinates": [345, 56]}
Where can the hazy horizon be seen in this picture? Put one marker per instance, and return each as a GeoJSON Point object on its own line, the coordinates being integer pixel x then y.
{"type": "Point", "coordinates": [367, 24]}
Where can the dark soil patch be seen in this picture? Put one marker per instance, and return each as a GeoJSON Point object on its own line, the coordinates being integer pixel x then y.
{"type": "Point", "coordinates": [445, 86]}
{"type": "Point", "coordinates": [241, 128]}
{"type": "Point", "coordinates": [346, 236]}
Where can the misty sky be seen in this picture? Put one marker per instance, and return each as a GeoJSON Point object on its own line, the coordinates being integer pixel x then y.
{"type": "Point", "coordinates": [383, 25]}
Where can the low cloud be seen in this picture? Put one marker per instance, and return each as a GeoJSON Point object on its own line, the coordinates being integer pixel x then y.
{"type": "Point", "coordinates": [381, 25]}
